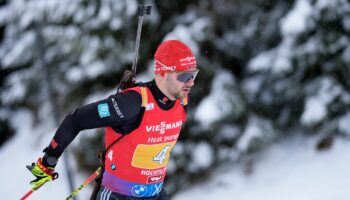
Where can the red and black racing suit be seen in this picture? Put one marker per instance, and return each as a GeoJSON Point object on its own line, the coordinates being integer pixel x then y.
{"type": "Point", "coordinates": [135, 167]}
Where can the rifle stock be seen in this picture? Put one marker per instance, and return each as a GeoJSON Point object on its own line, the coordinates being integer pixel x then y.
{"type": "Point", "coordinates": [128, 80]}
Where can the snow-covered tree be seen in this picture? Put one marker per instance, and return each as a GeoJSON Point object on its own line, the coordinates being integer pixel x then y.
{"type": "Point", "coordinates": [85, 46]}
{"type": "Point", "coordinates": [304, 80]}
{"type": "Point", "coordinates": [266, 68]}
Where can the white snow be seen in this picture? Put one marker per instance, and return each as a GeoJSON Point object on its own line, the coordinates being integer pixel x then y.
{"type": "Point", "coordinates": [24, 149]}
{"type": "Point", "coordinates": [316, 106]}
{"type": "Point", "coordinates": [321, 4]}
{"type": "Point", "coordinates": [218, 103]}
{"type": "Point", "coordinates": [261, 62]}
{"type": "Point", "coordinates": [344, 124]}
{"type": "Point", "coordinates": [75, 74]}
{"type": "Point", "coordinates": [95, 68]}
{"type": "Point", "coordinates": [104, 13]}
{"type": "Point", "coordinates": [257, 129]}
{"type": "Point", "coordinates": [346, 53]}
{"type": "Point", "coordinates": [296, 20]}
{"type": "Point", "coordinates": [289, 170]}
{"type": "Point", "coordinates": [89, 53]}
{"type": "Point", "coordinates": [278, 59]}
{"type": "Point", "coordinates": [346, 23]}
{"type": "Point", "coordinates": [198, 28]}
{"type": "Point", "coordinates": [17, 88]}
{"type": "Point", "coordinates": [315, 111]}
{"type": "Point", "coordinates": [202, 156]}
{"type": "Point", "coordinates": [20, 50]}
{"type": "Point", "coordinates": [196, 31]}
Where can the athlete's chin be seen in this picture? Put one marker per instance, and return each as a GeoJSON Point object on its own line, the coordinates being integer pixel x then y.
{"type": "Point", "coordinates": [181, 95]}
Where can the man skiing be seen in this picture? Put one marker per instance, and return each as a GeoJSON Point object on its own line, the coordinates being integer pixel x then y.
{"type": "Point", "coordinates": [142, 126]}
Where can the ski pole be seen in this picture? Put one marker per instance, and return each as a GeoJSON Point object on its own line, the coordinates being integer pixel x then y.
{"type": "Point", "coordinates": [54, 177]}
{"type": "Point", "coordinates": [30, 192]}
{"type": "Point", "coordinates": [87, 181]}
{"type": "Point", "coordinates": [27, 194]}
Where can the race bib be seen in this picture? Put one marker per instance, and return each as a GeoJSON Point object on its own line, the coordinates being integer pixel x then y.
{"type": "Point", "coordinates": [152, 156]}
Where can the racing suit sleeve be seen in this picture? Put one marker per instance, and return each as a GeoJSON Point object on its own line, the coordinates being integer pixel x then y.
{"type": "Point", "coordinates": [114, 111]}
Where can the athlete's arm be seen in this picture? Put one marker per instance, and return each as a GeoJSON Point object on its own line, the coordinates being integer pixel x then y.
{"type": "Point", "coordinates": [113, 111]}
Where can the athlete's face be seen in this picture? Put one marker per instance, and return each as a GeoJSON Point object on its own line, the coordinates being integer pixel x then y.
{"type": "Point", "coordinates": [179, 84]}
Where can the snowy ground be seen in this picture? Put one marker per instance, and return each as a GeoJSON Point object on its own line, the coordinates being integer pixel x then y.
{"type": "Point", "coordinates": [289, 170]}
{"type": "Point", "coordinates": [24, 149]}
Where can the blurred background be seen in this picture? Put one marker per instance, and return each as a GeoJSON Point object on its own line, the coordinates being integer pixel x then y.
{"type": "Point", "coordinates": [269, 113]}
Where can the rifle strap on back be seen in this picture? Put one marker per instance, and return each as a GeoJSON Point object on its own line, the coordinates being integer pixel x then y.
{"type": "Point", "coordinates": [144, 97]}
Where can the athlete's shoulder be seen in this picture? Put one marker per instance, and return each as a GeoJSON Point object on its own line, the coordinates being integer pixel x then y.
{"type": "Point", "coordinates": [127, 103]}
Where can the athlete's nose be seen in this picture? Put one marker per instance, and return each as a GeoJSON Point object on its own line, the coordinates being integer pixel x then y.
{"type": "Point", "coordinates": [190, 82]}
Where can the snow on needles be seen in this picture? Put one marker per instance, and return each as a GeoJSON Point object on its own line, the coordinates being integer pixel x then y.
{"type": "Point", "coordinates": [218, 103]}
{"type": "Point", "coordinates": [316, 106]}
{"type": "Point", "coordinates": [202, 157]}
{"type": "Point", "coordinates": [278, 59]}
{"type": "Point", "coordinates": [296, 20]}
{"type": "Point", "coordinates": [257, 133]}
{"type": "Point", "coordinates": [344, 124]}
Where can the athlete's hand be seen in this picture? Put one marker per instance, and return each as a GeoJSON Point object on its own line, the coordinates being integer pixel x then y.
{"type": "Point", "coordinates": [42, 173]}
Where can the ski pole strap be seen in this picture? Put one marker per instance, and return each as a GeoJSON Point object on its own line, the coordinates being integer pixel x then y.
{"type": "Point", "coordinates": [86, 182]}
